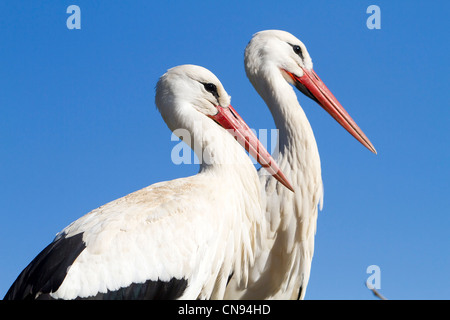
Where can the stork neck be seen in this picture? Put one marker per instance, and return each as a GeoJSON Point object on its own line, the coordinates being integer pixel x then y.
{"type": "Point", "coordinates": [216, 149]}
{"type": "Point", "coordinates": [220, 152]}
{"type": "Point", "coordinates": [295, 131]}
{"type": "Point", "coordinates": [298, 154]}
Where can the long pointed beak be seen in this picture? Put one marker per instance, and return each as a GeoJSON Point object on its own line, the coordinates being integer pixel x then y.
{"type": "Point", "coordinates": [229, 119]}
{"type": "Point", "coordinates": [311, 85]}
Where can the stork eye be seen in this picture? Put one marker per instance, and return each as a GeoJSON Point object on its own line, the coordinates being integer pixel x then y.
{"type": "Point", "coordinates": [298, 50]}
{"type": "Point", "coordinates": [211, 87]}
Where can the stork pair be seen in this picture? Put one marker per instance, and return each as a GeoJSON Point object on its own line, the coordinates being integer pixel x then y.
{"type": "Point", "coordinates": [229, 231]}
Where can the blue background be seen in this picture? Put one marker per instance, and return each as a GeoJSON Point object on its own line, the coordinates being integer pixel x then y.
{"type": "Point", "coordinates": [79, 127]}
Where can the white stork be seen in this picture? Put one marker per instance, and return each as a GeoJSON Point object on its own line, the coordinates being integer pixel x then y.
{"type": "Point", "coordinates": [178, 239]}
{"type": "Point", "coordinates": [275, 60]}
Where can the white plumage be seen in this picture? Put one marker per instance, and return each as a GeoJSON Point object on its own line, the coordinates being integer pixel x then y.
{"type": "Point", "coordinates": [275, 60]}
{"type": "Point", "coordinates": [175, 239]}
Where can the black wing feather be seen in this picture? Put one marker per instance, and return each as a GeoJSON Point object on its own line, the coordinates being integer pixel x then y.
{"type": "Point", "coordinates": [149, 290]}
{"type": "Point", "coordinates": [47, 271]}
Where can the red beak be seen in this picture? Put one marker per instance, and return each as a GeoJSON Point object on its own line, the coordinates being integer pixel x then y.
{"type": "Point", "coordinates": [229, 119]}
{"type": "Point", "coordinates": [311, 85]}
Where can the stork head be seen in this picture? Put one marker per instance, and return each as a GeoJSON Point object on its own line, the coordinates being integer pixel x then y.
{"type": "Point", "coordinates": [189, 93]}
{"type": "Point", "coordinates": [281, 51]}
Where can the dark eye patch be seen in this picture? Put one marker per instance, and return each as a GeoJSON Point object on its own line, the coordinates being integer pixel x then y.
{"type": "Point", "coordinates": [298, 50]}
{"type": "Point", "coordinates": [211, 87]}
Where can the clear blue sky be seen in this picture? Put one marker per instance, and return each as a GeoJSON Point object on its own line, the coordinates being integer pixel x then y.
{"type": "Point", "coordinates": [79, 127]}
